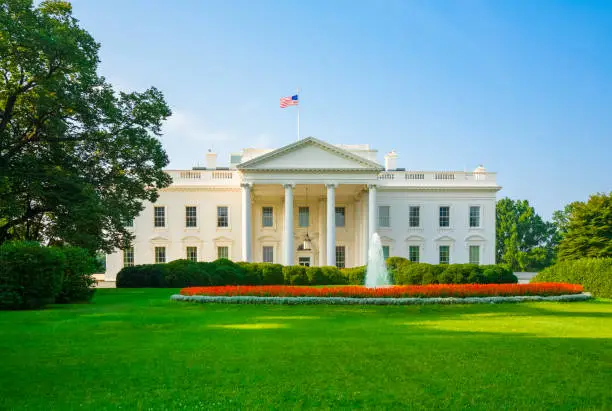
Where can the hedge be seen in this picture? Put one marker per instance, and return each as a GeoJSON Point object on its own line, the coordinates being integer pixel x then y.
{"type": "Point", "coordinates": [594, 274]}
{"type": "Point", "coordinates": [185, 273]}
{"type": "Point", "coordinates": [32, 276]}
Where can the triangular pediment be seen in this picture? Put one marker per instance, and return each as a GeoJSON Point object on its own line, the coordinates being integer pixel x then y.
{"type": "Point", "coordinates": [310, 154]}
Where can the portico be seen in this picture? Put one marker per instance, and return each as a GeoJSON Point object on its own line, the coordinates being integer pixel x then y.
{"type": "Point", "coordinates": [324, 183]}
{"type": "Point", "coordinates": [330, 215]}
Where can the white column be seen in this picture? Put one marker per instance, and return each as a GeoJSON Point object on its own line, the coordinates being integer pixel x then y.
{"type": "Point", "coordinates": [246, 222]}
{"type": "Point", "coordinates": [331, 224]}
{"type": "Point", "coordinates": [289, 259]}
{"type": "Point", "coordinates": [372, 211]}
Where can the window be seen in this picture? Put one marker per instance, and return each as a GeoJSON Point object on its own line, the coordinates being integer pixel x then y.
{"type": "Point", "coordinates": [474, 254]}
{"type": "Point", "coordinates": [413, 253]}
{"type": "Point", "coordinates": [222, 216]}
{"type": "Point", "coordinates": [385, 249]}
{"type": "Point", "coordinates": [268, 254]}
{"type": "Point", "coordinates": [159, 216]}
{"type": "Point", "coordinates": [128, 257]}
{"type": "Point", "coordinates": [267, 216]}
{"type": "Point", "coordinates": [445, 216]}
{"type": "Point", "coordinates": [160, 255]}
{"type": "Point", "coordinates": [444, 254]}
{"type": "Point", "coordinates": [303, 216]}
{"type": "Point", "coordinates": [414, 216]}
{"type": "Point", "coordinates": [340, 216]}
{"type": "Point", "coordinates": [192, 253]}
{"type": "Point", "coordinates": [384, 216]}
{"type": "Point", "coordinates": [475, 216]}
{"type": "Point", "coordinates": [304, 261]}
{"type": "Point", "coordinates": [340, 256]}
{"type": "Point", "coordinates": [223, 252]}
{"type": "Point", "coordinates": [191, 216]}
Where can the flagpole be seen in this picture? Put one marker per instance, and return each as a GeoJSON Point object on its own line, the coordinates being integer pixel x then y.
{"type": "Point", "coordinates": [298, 114]}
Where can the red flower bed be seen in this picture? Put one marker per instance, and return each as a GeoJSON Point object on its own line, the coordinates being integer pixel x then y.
{"type": "Point", "coordinates": [432, 290]}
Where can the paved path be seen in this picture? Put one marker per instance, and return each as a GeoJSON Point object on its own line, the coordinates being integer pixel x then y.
{"type": "Point", "coordinates": [524, 277]}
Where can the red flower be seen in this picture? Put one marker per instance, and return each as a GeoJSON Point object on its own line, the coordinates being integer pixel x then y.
{"type": "Point", "coordinates": [399, 291]}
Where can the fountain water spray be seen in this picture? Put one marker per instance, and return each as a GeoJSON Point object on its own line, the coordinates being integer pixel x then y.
{"type": "Point", "coordinates": [376, 271]}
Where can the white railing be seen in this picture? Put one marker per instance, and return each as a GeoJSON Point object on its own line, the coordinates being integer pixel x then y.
{"type": "Point", "coordinates": [436, 178]}
{"type": "Point", "coordinates": [204, 177]}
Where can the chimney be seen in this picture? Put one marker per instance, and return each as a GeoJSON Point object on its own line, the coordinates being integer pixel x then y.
{"type": "Point", "coordinates": [391, 160]}
{"type": "Point", "coordinates": [211, 160]}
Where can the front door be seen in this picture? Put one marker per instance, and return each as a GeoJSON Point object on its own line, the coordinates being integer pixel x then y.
{"type": "Point", "coordinates": [304, 261]}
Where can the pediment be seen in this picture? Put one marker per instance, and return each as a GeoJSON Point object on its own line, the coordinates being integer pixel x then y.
{"type": "Point", "coordinates": [222, 239]}
{"type": "Point", "coordinates": [445, 238]}
{"type": "Point", "coordinates": [475, 237]}
{"type": "Point", "coordinates": [415, 238]}
{"type": "Point", "coordinates": [310, 154]}
{"type": "Point", "coordinates": [159, 239]}
{"type": "Point", "coordinates": [386, 239]}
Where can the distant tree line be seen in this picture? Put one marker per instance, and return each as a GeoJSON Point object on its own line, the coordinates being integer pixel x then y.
{"type": "Point", "coordinates": [525, 242]}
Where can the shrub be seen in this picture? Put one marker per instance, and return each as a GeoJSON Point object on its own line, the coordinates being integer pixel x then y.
{"type": "Point", "coordinates": [459, 273]}
{"type": "Point", "coordinates": [179, 272]}
{"type": "Point", "coordinates": [272, 274]}
{"type": "Point", "coordinates": [78, 281]}
{"type": "Point", "coordinates": [594, 274]}
{"type": "Point", "coordinates": [30, 275]}
{"type": "Point", "coordinates": [315, 276]}
{"type": "Point", "coordinates": [417, 273]}
{"type": "Point", "coordinates": [396, 267]}
{"type": "Point", "coordinates": [141, 276]}
{"type": "Point", "coordinates": [498, 274]}
{"type": "Point", "coordinates": [295, 275]}
{"type": "Point", "coordinates": [333, 275]}
{"type": "Point", "coordinates": [224, 271]}
{"type": "Point", "coordinates": [354, 275]}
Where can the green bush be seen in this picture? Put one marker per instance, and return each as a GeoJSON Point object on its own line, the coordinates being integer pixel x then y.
{"type": "Point", "coordinates": [417, 273]}
{"type": "Point", "coordinates": [354, 275]}
{"type": "Point", "coordinates": [315, 276]}
{"type": "Point", "coordinates": [78, 281]}
{"type": "Point", "coordinates": [295, 275]}
{"type": "Point", "coordinates": [272, 274]}
{"type": "Point", "coordinates": [459, 273]}
{"type": "Point", "coordinates": [187, 273]}
{"type": "Point", "coordinates": [396, 267]}
{"type": "Point", "coordinates": [141, 276]}
{"type": "Point", "coordinates": [31, 276]}
{"type": "Point", "coordinates": [226, 272]}
{"type": "Point", "coordinates": [498, 274]}
{"type": "Point", "coordinates": [333, 275]}
{"type": "Point", "coordinates": [594, 274]}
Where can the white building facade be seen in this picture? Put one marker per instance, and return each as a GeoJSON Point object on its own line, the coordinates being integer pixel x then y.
{"type": "Point", "coordinates": [313, 203]}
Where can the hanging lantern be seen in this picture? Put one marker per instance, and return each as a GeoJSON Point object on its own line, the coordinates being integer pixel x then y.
{"type": "Point", "coordinates": [307, 245]}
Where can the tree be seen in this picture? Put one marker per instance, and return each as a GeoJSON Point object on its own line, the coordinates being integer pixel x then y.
{"type": "Point", "coordinates": [589, 229]}
{"type": "Point", "coordinates": [523, 240]}
{"type": "Point", "coordinates": [77, 159]}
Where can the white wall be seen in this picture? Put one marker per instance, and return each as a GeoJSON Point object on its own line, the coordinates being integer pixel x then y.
{"type": "Point", "coordinates": [459, 236]}
{"type": "Point", "coordinates": [175, 237]}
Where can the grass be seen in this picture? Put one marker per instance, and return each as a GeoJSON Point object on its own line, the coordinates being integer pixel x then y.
{"type": "Point", "coordinates": [135, 349]}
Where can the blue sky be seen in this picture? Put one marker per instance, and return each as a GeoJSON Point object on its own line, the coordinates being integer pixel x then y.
{"type": "Point", "coordinates": [524, 88]}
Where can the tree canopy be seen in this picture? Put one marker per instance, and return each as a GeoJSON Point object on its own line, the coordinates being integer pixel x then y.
{"type": "Point", "coordinates": [588, 229]}
{"type": "Point", "coordinates": [77, 159]}
{"type": "Point", "coordinates": [524, 241]}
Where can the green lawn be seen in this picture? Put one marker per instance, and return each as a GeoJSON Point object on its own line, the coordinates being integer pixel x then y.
{"type": "Point", "coordinates": [135, 349]}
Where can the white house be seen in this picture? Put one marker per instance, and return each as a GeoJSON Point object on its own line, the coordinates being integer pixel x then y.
{"type": "Point", "coordinates": [314, 203]}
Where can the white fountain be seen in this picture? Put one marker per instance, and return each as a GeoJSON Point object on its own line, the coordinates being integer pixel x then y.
{"type": "Point", "coordinates": [376, 271]}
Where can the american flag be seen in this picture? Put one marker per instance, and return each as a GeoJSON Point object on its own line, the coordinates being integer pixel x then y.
{"type": "Point", "coordinates": [288, 101]}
